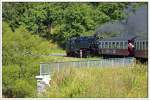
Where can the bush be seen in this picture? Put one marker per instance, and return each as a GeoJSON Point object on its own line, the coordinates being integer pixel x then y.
{"type": "Point", "coordinates": [19, 81]}
{"type": "Point", "coordinates": [21, 57]}
{"type": "Point", "coordinates": [20, 46]}
{"type": "Point", "coordinates": [23, 89]}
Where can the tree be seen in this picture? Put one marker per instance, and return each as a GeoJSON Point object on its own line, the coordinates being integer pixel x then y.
{"type": "Point", "coordinates": [60, 21]}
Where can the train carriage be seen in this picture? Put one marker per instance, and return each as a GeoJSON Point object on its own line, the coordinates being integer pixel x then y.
{"type": "Point", "coordinates": [141, 48]}
{"type": "Point", "coordinates": [117, 46]}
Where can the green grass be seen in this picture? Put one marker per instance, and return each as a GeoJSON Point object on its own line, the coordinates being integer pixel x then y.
{"type": "Point", "coordinates": [62, 59]}
{"type": "Point", "coordinates": [130, 81]}
{"type": "Point", "coordinates": [56, 51]}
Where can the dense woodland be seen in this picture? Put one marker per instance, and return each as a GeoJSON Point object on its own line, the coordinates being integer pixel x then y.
{"type": "Point", "coordinates": [60, 21]}
{"type": "Point", "coordinates": [28, 29]}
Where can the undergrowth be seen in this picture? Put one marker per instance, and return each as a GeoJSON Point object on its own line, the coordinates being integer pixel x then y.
{"type": "Point", "coordinates": [130, 81]}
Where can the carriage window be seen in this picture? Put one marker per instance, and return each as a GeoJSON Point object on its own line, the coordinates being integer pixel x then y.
{"type": "Point", "coordinates": [137, 47]}
{"type": "Point", "coordinates": [121, 44]}
{"type": "Point", "coordinates": [117, 44]}
{"type": "Point", "coordinates": [113, 44]}
{"type": "Point", "coordinates": [140, 45]}
{"type": "Point", "coordinates": [109, 44]}
{"type": "Point", "coordinates": [99, 45]}
{"type": "Point", "coordinates": [143, 45]}
{"type": "Point", "coordinates": [126, 44]}
{"type": "Point", "coordinates": [106, 45]}
{"type": "Point", "coordinates": [102, 45]}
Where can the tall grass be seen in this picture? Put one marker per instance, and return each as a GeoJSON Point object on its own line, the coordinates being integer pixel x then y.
{"type": "Point", "coordinates": [130, 81]}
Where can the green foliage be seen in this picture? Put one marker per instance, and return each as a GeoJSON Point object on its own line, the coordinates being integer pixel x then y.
{"type": "Point", "coordinates": [113, 10]}
{"type": "Point", "coordinates": [23, 89]}
{"type": "Point", "coordinates": [13, 74]}
{"type": "Point", "coordinates": [60, 21]}
{"type": "Point", "coordinates": [100, 82]}
{"type": "Point", "coordinates": [20, 46]}
{"type": "Point", "coordinates": [19, 88]}
{"type": "Point", "coordinates": [12, 13]}
{"type": "Point", "coordinates": [21, 57]}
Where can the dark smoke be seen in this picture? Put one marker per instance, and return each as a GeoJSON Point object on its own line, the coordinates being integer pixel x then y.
{"type": "Point", "coordinates": [138, 22]}
{"type": "Point", "coordinates": [135, 24]}
{"type": "Point", "coordinates": [111, 27]}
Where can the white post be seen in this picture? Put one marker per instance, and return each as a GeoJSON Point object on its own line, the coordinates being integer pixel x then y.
{"type": "Point", "coordinates": [42, 83]}
{"type": "Point", "coordinates": [80, 53]}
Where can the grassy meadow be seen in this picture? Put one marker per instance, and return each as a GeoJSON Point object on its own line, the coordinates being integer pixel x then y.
{"type": "Point", "coordinates": [130, 81]}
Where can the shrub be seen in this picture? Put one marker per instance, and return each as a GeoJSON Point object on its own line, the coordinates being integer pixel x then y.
{"type": "Point", "coordinates": [23, 89]}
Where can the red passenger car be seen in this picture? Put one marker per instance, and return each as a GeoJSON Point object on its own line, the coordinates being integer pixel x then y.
{"type": "Point", "coordinates": [141, 48]}
{"type": "Point", "coordinates": [117, 46]}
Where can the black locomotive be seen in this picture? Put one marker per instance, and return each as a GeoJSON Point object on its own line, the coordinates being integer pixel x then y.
{"type": "Point", "coordinates": [88, 45]}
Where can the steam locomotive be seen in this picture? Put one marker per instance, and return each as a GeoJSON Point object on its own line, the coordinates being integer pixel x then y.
{"type": "Point", "coordinates": [88, 45]}
{"type": "Point", "coordinates": [121, 46]}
